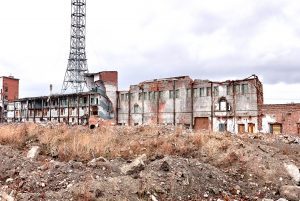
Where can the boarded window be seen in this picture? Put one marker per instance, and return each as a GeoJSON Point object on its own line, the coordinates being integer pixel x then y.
{"type": "Point", "coordinates": [171, 94]}
{"type": "Point", "coordinates": [188, 93]}
{"type": "Point", "coordinates": [151, 95]}
{"type": "Point", "coordinates": [177, 93]}
{"type": "Point", "coordinates": [245, 88]}
{"type": "Point", "coordinates": [202, 92]}
{"type": "Point", "coordinates": [136, 108]}
{"type": "Point", "coordinates": [140, 96]}
{"type": "Point", "coordinates": [241, 128]}
{"type": "Point", "coordinates": [251, 128]}
{"type": "Point", "coordinates": [229, 90]}
{"type": "Point", "coordinates": [196, 92]}
{"type": "Point", "coordinates": [216, 91]}
{"type": "Point", "coordinates": [276, 129]}
{"type": "Point", "coordinates": [237, 89]}
{"type": "Point", "coordinates": [160, 94]}
{"type": "Point", "coordinates": [208, 91]}
{"type": "Point", "coordinates": [145, 95]}
{"type": "Point", "coordinates": [222, 127]}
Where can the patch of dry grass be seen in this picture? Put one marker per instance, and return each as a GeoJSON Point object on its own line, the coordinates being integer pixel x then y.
{"type": "Point", "coordinates": [13, 135]}
{"type": "Point", "coordinates": [127, 142]}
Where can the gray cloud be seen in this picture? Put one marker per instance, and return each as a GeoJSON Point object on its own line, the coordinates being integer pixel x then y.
{"type": "Point", "coordinates": [145, 39]}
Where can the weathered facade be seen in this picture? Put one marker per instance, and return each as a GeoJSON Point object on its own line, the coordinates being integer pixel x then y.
{"type": "Point", "coordinates": [234, 106]}
{"type": "Point", "coordinates": [201, 104]}
{"type": "Point", "coordinates": [70, 108]}
{"type": "Point", "coordinates": [9, 91]}
{"type": "Point", "coordinates": [281, 118]}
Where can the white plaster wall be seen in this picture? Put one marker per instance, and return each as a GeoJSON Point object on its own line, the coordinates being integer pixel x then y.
{"type": "Point", "coordinates": [10, 114]}
{"type": "Point", "coordinates": [232, 124]}
{"type": "Point", "coordinates": [266, 123]}
{"type": "Point", "coordinates": [54, 113]}
{"type": "Point", "coordinates": [96, 77]}
{"type": "Point", "coordinates": [82, 111]}
{"type": "Point", "coordinates": [222, 90]}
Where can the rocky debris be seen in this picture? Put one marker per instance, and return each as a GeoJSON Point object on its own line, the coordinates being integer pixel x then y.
{"type": "Point", "coordinates": [5, 197]}
{"type": "Point", "coordinates": [175, 166]}
{"type": "Point", "coordinates": [97, 162]}
{"type": "Point", "coordinates": [165, 166]}
{"type": "Point", "coordinates": [34, 152]}
{"type": "Point", "coordinates": [290, 139]}
{"type": "Point", "coordinates": [134, 167]}
{"type": "Point", "coordinates": [293, 171]}
{"type": "Point", "coordinates": [291, 193]}
{"type": "Point", "coordinates": [153, 198]}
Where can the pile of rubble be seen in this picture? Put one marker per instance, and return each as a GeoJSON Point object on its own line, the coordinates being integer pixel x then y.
{"type": "Point", "coordinates": [223, 167]}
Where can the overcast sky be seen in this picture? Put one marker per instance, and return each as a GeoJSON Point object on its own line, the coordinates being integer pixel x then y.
{"type": "Point", "coordinates": [147, 39]}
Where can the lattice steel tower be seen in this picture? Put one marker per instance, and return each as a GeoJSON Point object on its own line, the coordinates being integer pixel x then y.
{"type": "Point", "coordinates": [77, 63]}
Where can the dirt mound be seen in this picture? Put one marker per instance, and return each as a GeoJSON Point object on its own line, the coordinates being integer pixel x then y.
{"type": "Point", "coordinates": [142, 163]}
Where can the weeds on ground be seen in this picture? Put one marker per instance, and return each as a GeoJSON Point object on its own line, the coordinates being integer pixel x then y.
{"type": "Point", "coordinates": [81, 143]}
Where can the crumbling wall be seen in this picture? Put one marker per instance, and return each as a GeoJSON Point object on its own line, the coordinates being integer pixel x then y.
{"type": "Point", "coordinates": [162, 101]}
{"type": "Point", "coordinates": [287, 115]}
{"type": "Point", "coordinates": [110, 80]}
{"type": "Point", "coordinates": [219, 106]}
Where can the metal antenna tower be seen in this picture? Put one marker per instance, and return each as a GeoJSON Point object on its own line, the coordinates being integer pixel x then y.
{"type": "Point", "coordinates": [77, 63]}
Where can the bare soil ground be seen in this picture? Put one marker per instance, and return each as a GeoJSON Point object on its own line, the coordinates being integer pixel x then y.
{"type": "Point", "coordinates": [177, 164]}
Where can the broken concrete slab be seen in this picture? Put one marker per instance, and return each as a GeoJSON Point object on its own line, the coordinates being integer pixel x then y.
{"type": "Point", "coordinates": [291, 193]}
{"type": "Point", "coordinates": [34, 152]}
{"type": "Point", "coordinates": [293, 171]}
{"type": "Point", "coordinates": [134, 167]}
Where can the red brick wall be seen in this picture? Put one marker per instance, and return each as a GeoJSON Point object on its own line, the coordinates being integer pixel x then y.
{"type": "Point", "coordinates": [110, 77]}
{"type": "Point", "coordinates": [13, 88]}
{"type": "Point", "coordinates": [260, 101]}
{"type": "Point", "coordinates": [286, 114]}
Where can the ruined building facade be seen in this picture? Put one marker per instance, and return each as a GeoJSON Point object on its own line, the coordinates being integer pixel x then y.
{"type": "Point", "coordinates": [281, 118]}
{"type": "Point", "coordinates": [9, 92]}
{"type": "Point", "coordinates": [235, 106]}
{"type": "Point", "coordinates": [70, 108]}
{"type": "Point", "coordinates": [201, 104]}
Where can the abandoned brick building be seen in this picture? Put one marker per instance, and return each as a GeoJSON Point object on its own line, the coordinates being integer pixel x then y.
{"type": "Point", "coordinates": [9, 91]}
{"type": "Point", "coordinates": [235, 106]}
{"type": "Point", "coordinates": [281, 118]}
{"type": "Point", "coordinates": [219, 106]}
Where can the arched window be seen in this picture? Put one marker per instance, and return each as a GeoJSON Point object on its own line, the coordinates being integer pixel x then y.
{"type": "Point", "coordinates": [223, 104]}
